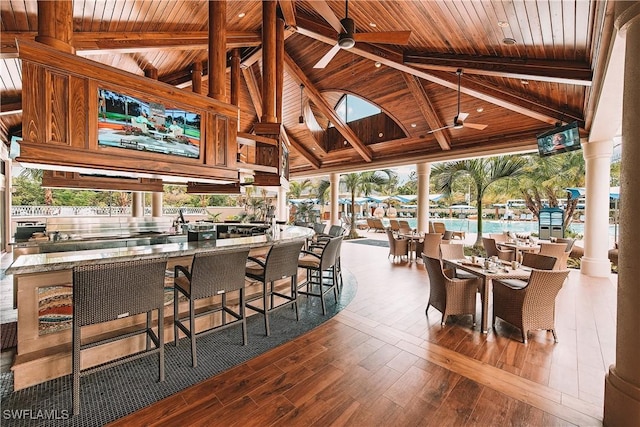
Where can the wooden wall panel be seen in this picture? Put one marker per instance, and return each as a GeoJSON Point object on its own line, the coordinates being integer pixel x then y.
{"type": "Point", "coordinates": [57, 113]}
{"type": "Point", "coordinates": [79, 124]}
{"type": "Point", "coordinates": [33, 115]}
{"type": "Point", "coordinates": [222, 125]}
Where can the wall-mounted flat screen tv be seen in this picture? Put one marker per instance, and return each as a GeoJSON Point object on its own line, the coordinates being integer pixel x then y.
{"type": "Point", "coordinates": [559, 140]}
{"type": "Point", "coordinates": [128, 122]}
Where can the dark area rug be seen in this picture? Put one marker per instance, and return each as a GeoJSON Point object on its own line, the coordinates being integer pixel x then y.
{"type": "Point", "coordinates": [123, 389]}
{"type": "Point", "coordinates": [8, 335]}
{"type": "Point", "coordinates": [370, 242]}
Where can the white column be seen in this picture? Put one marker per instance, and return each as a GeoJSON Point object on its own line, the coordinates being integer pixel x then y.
{"type": "Point", "coordinates": [424, 170]}
{"type": "Point", "coordinates": [622, 383]}
{"type": "Point", "coordinates": [282, 213]}
{"type": "Point", "coordinates": [595, 261]}
{"type": "Point", "coordinates": [137, 204]}
{"type": "Point", "coordinates": [334, 180]}
{"type": "Point", "coordinates": [156, 203]}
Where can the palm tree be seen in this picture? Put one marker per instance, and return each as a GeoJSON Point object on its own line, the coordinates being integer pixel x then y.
{"type": "Point", "coordinates": [483, 172]}
{"type": "Point", "coordinates": [36, 175]}
{"type": "Point", "coordinates": [296, 188]}
{"type": "Point", "coordinates": [363, 183]}
{"type": "Point", "coordinates": [321, 191]}
{"type": "Point", "coordinates": [543, 181]}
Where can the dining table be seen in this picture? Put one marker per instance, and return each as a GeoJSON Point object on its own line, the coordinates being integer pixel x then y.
{"type": "Point", "coordinates": [413, 237]}
{"type": "Point", "coordinates": [520, 247]}
{"type": "Point", "coordinates": [498, 271]}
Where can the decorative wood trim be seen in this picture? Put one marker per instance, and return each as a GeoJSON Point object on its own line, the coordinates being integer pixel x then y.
{"type": "Point", "coordinates": [204, 188]}
{"type": "Point", "coordinates": [302, 150]}
{"type": "Point", "coordinates": [243, 137]}
{"type": "Point", "coordinates": [75, 180]}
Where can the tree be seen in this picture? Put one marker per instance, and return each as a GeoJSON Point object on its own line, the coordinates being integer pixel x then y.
{"type": "Point", "coordinates": [297, 188]}
{"type": "Point", "coordinates": [544, 184]}
{"type": "Point", "coordinates": [36, 175]}
{"type": "Point", "coordinates": [483, 172]}
{"type": "Point", "coordinates": [363, 183]}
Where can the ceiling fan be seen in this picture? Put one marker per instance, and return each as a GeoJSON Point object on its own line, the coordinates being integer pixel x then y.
{"type": "Point", "coordinates": [459, 119]}
{"type": "Point", "coordinates": [347, 36]}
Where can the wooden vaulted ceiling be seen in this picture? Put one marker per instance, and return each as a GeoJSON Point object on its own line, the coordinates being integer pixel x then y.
{"type": "Point", "coordinates": [518, 90]}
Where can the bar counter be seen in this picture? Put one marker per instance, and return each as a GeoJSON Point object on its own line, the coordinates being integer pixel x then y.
{"type": "Point", "coordinates": [44, 288]}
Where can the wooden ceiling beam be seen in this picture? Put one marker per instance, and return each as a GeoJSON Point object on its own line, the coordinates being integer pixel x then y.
{"type": "Point", "coordinates": [91, 43]}
{"type": "Point", "coordinates": [316, 97]}
{"type": "Point", "coordinates": [430, 116]}
{"type": "Point", "coordinates": [10, 105]}
{"type": "Point", "coordinates": [302, 150]}
{"type": "Point", "coordinates": [288, 9]}
{"type": "Point", "coordinates": [513, 102]}
{"type": "Point", "coordinates": [253, 86]}
{"type": "Point", "coordinates": [563, 72]}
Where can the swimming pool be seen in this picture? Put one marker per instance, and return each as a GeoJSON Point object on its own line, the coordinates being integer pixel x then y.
{"type": "Point", "coordinates": [497, 226]}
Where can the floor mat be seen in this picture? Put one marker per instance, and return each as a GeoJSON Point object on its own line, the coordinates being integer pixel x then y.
{"type": "Point", "coordinates": [118, 391]}
{"type": "Point", "coordinates": [8, 335]}
{"type": "Point", "coordinates": [370, 242]}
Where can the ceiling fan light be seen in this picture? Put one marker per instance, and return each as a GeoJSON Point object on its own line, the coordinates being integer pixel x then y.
{"type": "Point", "coordinates": [301, 120]}
{"type": "Point", "coordinates": [345, 41]}
{"type": "Point", "coordinates": [458, 125]}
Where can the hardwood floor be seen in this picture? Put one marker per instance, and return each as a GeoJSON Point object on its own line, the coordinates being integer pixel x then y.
{"type": "Point", "coordinates": [381, 361]}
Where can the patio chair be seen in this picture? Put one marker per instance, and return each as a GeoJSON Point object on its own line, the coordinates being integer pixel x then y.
{"type": "Point", "coordinates": [404, 226]}
{"type": "Point", "coordinates": [432, 245]}
{"type": "Point", "coordinates": [398, 247]}
{"type": "Point", "coordinates": [531, 260]}
{"type": "Point", "coordinates": [454, 251]}
{"type": "Point", "coordinates": [319, 227]}
{"type": "Point", "coordinates": [378, 225]}
{"type": "Point", "coordinates": [450, 296]}
{"type": "Point", "coordinates": [498, 237]}
{"type": "Point", "coordinates": [394, 225]}
{"type": "Point", "coordinates": [531, 307]}
{"type": "Point", "coordinates": [370, 224]}
{"type": "Point", "coordinates": [557, 250]}
{"type": "Point", "coordinates": [437, 227]}
{"type": "Point", "coordinates": [492, 250]}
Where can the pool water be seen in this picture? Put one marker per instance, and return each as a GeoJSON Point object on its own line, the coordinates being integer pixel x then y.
{"type": "Point", "coordinates": [497, 226]}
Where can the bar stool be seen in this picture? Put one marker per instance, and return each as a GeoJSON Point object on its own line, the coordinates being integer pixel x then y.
{"type": "Point", "coordinates": [212, 274]}
{"type": "Point", "coordinates": [281, 263]}
{"type": "Point", "coordinates": [316, 265]}
{"type": "Point", "coordinates": [106, 292]}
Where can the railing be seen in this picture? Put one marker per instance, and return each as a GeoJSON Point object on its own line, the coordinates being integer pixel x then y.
{"type": "Point", "coordinates": [38, 211]}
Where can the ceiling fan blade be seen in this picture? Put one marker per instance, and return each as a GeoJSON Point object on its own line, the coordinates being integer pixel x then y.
{"type": "Point", "coordinates": [474, 126]}
{"type": "Point", "coordinates": [325, 11]}
{"type": "Point", "coordinates": [463, 116]}
{"type": "Point", "coordinates": [439, 129]}
{"type": "Point", "coordinates": [385, 37]}
{"type": "Point", "coordinates": [324, 61]}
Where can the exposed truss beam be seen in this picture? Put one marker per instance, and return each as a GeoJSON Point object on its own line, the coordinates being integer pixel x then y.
{"type": "Point", "coordinates": [302, 150]}
{"type": "Point", "coordinates": [564, 72]}
{"type": "Point", "coordinates": [90, 43]}
{"type": "Point", "coordinates": [497, 96]}
{"type": "Point", "coordinates": [314, 94]}
{"type": "Point", "coordinates": [420, 95]}
{"type": "Point", "coordinates": [10, 105]}
{"type": "Point", "coordinates": [288, 9]}
{"type": "Point", "coordinates": [255, 93]}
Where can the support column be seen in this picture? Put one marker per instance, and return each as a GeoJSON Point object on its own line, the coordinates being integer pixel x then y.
{"type": "Point", "coordinates": [196, 77]}
{"type": "Point", "coordinates": [622, 383]}
{"type": "Point", "coordinates": [55, 24]}
{"type": "Point", "coordinates": [334, 180]}
{"type": "Point", "coordinates": [137, 204]}
{"type": "Point", "coordinates": [424, 171]}
{"type": "Point", "coordinates": [282, 213]}
{"type": "Point", "coordinates": [269, 61]}
{"type": "Point", "coordinates": [218, 50]}
{"type": "Point", "coordinates": [156, 203]}
{"type": "Point", "coordinates": [595, 261]}
{"type": "Point", "coordinates": [279, 68]}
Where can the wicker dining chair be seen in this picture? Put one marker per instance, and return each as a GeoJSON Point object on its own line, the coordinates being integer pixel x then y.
{"type": "Point", "coordinates": [281, 262]}
{"type": "Point", "coordinates": [107, 292]}
{"type": "Point", "coordinates": [398, 247]}
{"type": "Point", "coordinates": [211, 274]}
{"type": "Point", "coordinates": [531, 260]}
{"type": "Point", "coordinates": [531, 307]}
{"type": "Point", "coordinates": [493, 250]}
{"type": "Point", "coordinates": [557, 250]}
{"type": "Point", "coordinates": [316, 284]}
{"type": "Point", "coordinates": [455, 251]}
{"type": "Point", "coordinates": [450, 296]}
{"type": "Point", "coordinates": [431, 247]}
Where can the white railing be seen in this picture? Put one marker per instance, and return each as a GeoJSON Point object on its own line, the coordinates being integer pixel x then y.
{"type": "Point", "coordinates": [40, 211]}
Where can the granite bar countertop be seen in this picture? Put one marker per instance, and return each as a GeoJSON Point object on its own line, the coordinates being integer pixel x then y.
{"type": "Point", "coordinates": [45, 262]}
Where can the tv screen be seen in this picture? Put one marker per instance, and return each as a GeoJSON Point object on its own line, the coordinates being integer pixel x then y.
{"type": "Point", "coordinates": [128, 122]}
{"type": "Point", "coordinates": [559, 140]}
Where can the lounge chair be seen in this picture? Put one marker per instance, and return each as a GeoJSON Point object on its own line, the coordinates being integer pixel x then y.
{"type": "Point", "coordinates": [394, 225]}
{"type": "Point", "coordinates": [437, 227]}
{"type": "Point", "coordinates": [378, 225]}
{"type": "Point", "coordinates": [404, 226]}
{"type": "Point", "coordinates": [370, 224]}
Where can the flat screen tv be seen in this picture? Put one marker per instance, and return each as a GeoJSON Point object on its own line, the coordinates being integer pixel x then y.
{"type": "Point", "coordinates": [559, 140]}
{"type": "Point", "coordinates": [128, 122]}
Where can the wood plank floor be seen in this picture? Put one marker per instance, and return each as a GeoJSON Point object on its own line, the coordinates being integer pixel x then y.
{"type": "Point", "coordinates": [381, 361]}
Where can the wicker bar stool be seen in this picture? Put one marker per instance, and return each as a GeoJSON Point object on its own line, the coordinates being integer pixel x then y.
{"type": "Point", "coordinates": [106, 292]}
{"type": "Point", "coordinates": [280, 263]}
{"type": "Point", "coordinates": [316, 264]}
{"type": "Point", "coordinates": [212, 274]}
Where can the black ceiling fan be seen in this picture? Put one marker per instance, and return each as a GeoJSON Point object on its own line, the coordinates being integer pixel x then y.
{"type": "Point", "coordinates": [459, 119]}
{"type": "Point", "coordinates": [347, 36]}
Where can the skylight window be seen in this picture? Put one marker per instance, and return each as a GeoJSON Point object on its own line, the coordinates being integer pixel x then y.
{"type": "Point", "coordinates": [351, 108]}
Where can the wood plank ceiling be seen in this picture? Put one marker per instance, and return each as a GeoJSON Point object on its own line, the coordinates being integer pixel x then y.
{"type": "Point", "coordinates": [526, 65]}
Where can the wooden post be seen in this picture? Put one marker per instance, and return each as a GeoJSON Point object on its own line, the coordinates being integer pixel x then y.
{"type": "Point", "coordinates": [279, 67]}
{"type": "Point", "coordinates": [269, 61]}
{"type": "Point", "coordinates": [196, 77]}
{"type": "Point", "coordinates": [235, 77]}
{"type": "Point", "coordinates": [55, 24]}
{"type": "Point", "coordinates": [217, 49]}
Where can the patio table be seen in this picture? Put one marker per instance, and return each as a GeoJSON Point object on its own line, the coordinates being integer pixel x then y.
{"type": "Point", "coordinates": [487, 276]}
{"type": "Point", "coordinates": [519, 247]}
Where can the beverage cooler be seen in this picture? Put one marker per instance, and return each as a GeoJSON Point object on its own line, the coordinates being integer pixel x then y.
{"type": "Point", "coordinates": [551, 223]}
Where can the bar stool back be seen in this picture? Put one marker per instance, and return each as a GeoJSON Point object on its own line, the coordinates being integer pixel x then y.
{"type": "Point", "coordinates": [316, 264]}
{"type": "Point", "coordinates": [281, 263]}
{"type": "Point", "coordinates": [106, 292]}
{"type": "Point", "coordinates": [212, 274]}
